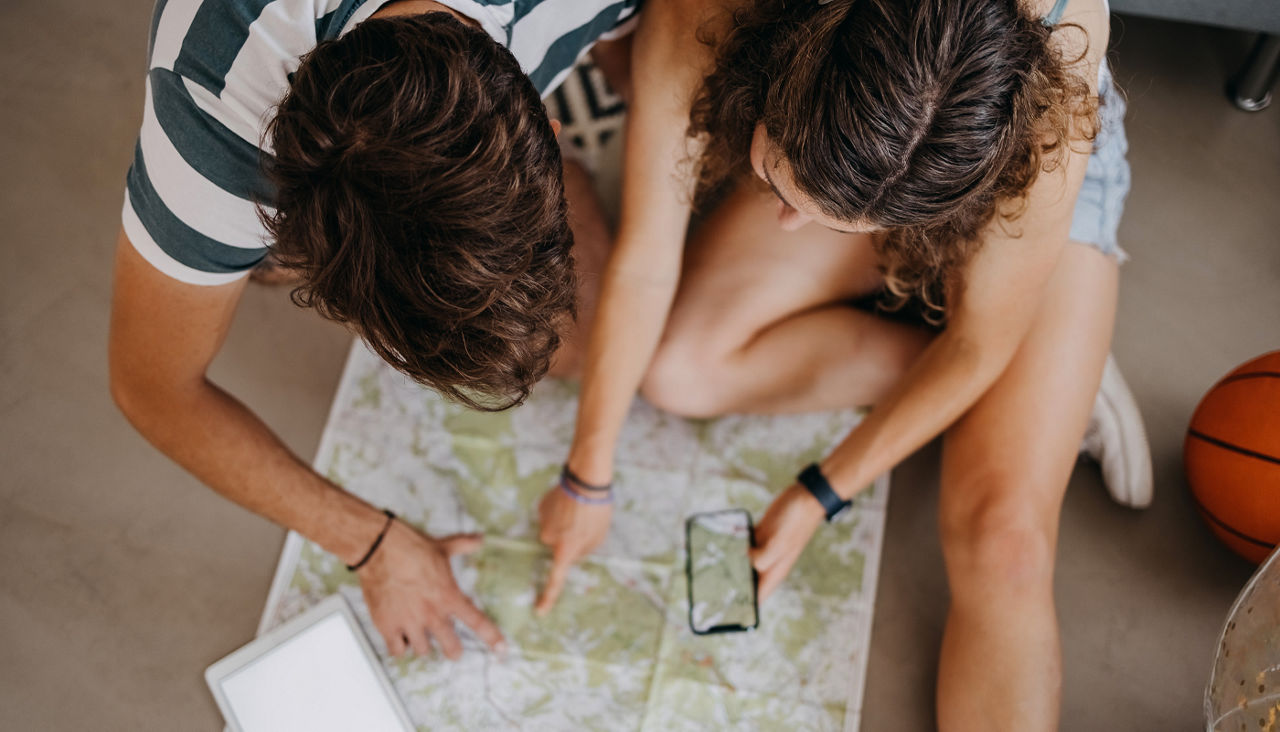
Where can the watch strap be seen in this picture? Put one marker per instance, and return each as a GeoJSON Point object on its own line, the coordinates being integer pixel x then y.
{"type": "Point", "coordinates": [817, 484]}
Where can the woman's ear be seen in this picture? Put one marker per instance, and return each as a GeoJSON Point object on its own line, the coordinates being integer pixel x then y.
{"type": "Point", "coordinates": [555, 128]}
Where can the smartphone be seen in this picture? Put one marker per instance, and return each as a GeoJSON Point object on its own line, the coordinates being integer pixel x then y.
{"type": "Point", "coordinates": [722, 582]}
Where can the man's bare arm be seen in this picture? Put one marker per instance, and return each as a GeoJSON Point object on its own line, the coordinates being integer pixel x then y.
{"type": "Point", "coordinates": [164, 334]}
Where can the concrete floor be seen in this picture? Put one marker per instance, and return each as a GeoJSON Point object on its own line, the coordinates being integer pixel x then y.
{"type": "Point", "coordinates": [122, 577]}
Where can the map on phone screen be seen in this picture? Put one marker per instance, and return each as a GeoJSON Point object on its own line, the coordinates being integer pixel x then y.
{"type": "Point", "coordinates": [722, 585]}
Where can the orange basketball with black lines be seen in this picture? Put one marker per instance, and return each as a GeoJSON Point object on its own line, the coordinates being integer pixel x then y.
{"type": "Point", "coordinates": [1232, 457]}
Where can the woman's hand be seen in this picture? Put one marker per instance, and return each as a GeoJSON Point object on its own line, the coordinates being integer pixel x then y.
{"type": "Point", "coordinates": [782, 535]}
{"type": "Point", "coordinates": [572, 530]}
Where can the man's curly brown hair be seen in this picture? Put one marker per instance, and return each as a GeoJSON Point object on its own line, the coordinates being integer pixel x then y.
{"type": "Point", "coordinates": [419, 194]}
{"type": "Point", "coordinates": [924, 117]}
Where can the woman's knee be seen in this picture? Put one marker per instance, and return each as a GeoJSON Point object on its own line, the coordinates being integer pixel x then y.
{"type": "Point", "coordinates": [998, 535]}
{"type": "Point", "coordinates": [682, 380]}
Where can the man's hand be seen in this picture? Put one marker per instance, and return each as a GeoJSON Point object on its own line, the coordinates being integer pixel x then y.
{"type": "Point", "coordinates": [413, 598]}
{"type": "Point", "coordinates": [572, 530]}
{"type": "Point", "coordinates": [783, 534]}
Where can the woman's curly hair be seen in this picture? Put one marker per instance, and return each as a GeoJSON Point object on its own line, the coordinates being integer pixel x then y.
{"type": "Point", "coordinates": [419, 194]}
{"type": "Point", "coordinates": [926, 118]}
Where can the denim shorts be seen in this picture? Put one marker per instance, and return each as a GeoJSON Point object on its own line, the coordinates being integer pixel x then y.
{"type": "Point", "coordinates": [1100, 202]}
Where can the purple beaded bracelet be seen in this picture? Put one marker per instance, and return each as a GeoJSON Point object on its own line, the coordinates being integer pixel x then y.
{"type": "Point", "coordinates": [588, 500]}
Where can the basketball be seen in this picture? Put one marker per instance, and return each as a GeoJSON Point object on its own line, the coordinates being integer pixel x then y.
{"type": "Point", "coordinates": [1232, 457]}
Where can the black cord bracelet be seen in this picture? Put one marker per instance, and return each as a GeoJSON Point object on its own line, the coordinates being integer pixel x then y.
{"type": "Point", "coordinates": [376, 542]}
{"type": "Point", "coordinates": [567, 474]}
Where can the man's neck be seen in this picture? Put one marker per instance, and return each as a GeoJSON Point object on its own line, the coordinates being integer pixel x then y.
{"type": "Point", "coordinates": [419, 7]}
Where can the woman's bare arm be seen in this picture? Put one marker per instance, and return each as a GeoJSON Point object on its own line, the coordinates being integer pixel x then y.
{"type": "Point", "coordinates": [1003, 286]}
{"type": "Point", "coordinates": [1002, 290]}
{"type": "Point", "coordinates": [639, 283]}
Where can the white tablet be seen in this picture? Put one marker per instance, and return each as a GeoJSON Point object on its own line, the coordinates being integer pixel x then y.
{"type": "Point", "coordinates": [315, 673]}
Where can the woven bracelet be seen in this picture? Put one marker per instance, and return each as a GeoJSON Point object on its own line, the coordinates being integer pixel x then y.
{"type": "Point", "coordinates": [568, 475]}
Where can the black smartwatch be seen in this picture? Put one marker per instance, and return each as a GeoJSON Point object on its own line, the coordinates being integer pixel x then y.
{"type": "Point", "coordinates": [816, 483]}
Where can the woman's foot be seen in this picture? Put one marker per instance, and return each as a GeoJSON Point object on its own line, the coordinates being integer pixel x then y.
{"type": "Point", "coordinates": [1117, 439]}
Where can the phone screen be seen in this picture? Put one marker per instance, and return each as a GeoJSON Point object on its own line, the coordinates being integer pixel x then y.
{"type": "Point", "coordinates": [722, 582]}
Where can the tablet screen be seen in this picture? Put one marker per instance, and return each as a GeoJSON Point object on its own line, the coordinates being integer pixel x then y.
{"type": "Point", "coordinates": [317, 681]}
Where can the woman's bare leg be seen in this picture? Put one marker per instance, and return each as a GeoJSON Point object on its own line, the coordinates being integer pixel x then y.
{"type": "Point", "coordinates": [1005, 468]}
{"type": "Point", "coordinates": [761, 321]}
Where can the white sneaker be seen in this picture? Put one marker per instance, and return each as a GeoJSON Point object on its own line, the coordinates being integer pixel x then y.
{"type": "Point", "coordinates": [1117, 439]}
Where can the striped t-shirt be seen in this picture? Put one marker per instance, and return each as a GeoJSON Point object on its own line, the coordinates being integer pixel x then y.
{"type": "Point", "coordinates": [216, 71]}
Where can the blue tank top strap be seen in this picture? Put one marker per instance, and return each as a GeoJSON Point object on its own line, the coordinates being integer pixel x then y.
{"type": "Point", "coordinates": [1055, 13]}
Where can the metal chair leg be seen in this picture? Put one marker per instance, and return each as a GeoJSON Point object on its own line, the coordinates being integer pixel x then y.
{"type": "Point", "coordinates": [1251, 88]}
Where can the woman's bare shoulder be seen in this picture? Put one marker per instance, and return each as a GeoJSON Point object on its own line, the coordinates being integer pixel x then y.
{"type": "Point", "coordinates": [1085, 30]}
